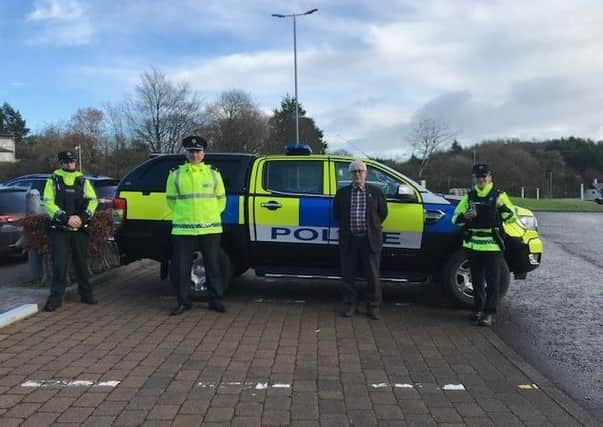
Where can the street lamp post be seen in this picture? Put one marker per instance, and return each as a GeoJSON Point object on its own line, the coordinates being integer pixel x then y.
{"type": "Point", "coordinates": [78, 148]}
{"type": "Point", "coordinates": [294, 16]}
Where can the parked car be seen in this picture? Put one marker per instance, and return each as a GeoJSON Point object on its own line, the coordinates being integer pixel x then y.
{"type": "Point", "coordinates": [104, 186]}
{"type": "Point", "coordinates": [12, 209]}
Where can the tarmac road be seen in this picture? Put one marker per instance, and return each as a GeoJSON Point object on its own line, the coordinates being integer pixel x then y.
{"type": "Point", "coordinates": [554, 319]}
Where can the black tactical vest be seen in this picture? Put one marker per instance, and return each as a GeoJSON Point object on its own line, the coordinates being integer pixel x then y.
{"type": "Point", "coordinates": [69, 198]}
{"type": "Point", "coordinates": [487, 211]}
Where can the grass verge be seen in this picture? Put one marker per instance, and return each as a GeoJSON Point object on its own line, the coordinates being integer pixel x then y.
{"type": "Point", "coordinates": [557, 205]}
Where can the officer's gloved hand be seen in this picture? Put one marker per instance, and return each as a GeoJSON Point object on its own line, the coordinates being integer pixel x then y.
{"type": "Point", "coordinates": [469, 215]}
{"type": "Point", "coordinates": [85, 217]}
{"type": "Point", "coordinates": [61, 217]}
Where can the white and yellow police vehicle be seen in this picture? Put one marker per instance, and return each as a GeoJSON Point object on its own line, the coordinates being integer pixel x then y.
{"type": "Point", "coordinates": [278, 220]}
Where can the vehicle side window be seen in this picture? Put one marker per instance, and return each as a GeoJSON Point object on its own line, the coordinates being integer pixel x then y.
{"type": "Point", "coordinates": [388, 184]}
{"type": "Point", "coordinates": [232, 174]}
{"type": "Point", "coordinates": [26, 183]}
{"type": "Point", "coordinates": [298, 177]}
{"type": "Point", "coordinates": [155, 176]}
{"type": "Point", "coordinates": [39, 184]}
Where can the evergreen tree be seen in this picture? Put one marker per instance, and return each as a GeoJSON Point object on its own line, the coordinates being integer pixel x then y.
{"type": "Point", "coordinates": [282, 129]}
{"type": "Point", "coordinates": [12, 122]}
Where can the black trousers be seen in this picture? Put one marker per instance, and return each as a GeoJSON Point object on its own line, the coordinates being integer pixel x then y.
{"type": "Point", "coordinates": [356, 258]}
{"type": "Point", "coordinates": [485, 274]}
{"type": "Point", "coordinates": [61, 242]}
{"type": "Point", "coordinates": [182, 260]}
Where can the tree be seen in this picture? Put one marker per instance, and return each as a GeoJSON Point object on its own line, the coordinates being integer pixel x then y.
{"type": "Point", "coordinates": [456, 147]}
{"type": "Point", "coordinates": [116, 119]}
{"type": "Point", "coordinates": [90, 124]}
{"type": "Point", "coordinates": [282, 129]}
{"type": "Point", "coordinates": [12, 122]}
{"type": "Point", "coordinates": [428, 136]}
{"type": "Point", "coordinates": [235, 123]}
{"type": "Point", "coordinates": [162, 113]}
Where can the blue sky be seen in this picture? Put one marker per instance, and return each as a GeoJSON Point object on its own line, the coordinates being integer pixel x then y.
{"type": "Point", "coordinates": [366, 69]}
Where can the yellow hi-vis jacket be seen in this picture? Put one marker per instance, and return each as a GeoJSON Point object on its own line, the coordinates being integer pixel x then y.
{"type": "Point", "coordinates": [87, 206]}
{"type": "Point", "coordinates": [196, 196]}
{"type": "Point", "coordinates": [484, 239]}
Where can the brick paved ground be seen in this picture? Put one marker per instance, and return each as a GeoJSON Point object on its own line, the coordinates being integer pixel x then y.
{"type": "Point", "coordinates": [280, 356]}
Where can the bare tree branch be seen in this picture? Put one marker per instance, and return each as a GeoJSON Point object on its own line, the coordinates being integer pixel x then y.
{"type": "Point", "coordinates": [236, 124]}
{"type": "Point", "coordinates": [428, 136]}
{"type": "Point", "coordinates": [160, 114]}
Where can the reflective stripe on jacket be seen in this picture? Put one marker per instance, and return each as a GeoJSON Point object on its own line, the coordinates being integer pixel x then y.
{"type": "Point", "coordinates": [196, 196]}
{"type": "Point", "coordinates": [484, 239]}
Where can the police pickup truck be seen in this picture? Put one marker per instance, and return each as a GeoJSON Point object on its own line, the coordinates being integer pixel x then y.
{"type": "Point", "coordinates": [278, 220]}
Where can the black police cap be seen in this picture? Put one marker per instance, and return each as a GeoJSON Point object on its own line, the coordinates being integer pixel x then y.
{"type": "Point", "coordinates": [66, 156]}
{"type": "Point", "coordinates": [480, 169]}
{"type": "Point", "coordinates": [194, 142]}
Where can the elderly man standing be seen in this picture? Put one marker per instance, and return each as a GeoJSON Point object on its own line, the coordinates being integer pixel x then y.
{"type": "Point", "coordinates": [360, 209]}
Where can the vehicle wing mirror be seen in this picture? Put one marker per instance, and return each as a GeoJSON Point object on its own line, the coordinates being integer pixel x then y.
{"type": "Point", "coordinates": [406, 192]}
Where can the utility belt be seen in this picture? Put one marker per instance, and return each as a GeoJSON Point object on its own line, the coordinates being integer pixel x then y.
{"type": "Point", "coordinates": [62, 227]}
{"type": "Point", "coordinates": [495, 233]}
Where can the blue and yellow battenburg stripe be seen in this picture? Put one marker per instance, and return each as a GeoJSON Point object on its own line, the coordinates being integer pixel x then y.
{"type": "Point", "coordinates": [310, 220]}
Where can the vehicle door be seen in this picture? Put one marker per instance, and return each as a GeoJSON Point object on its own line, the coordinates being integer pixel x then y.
{"type": "Point", "coordinates": [289, 212]}
{"type": "Point", "coordinates": [403, 227]}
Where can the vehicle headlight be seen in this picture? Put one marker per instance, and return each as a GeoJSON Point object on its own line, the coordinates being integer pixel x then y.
{"type": "Point", "coordinates": [528, 222]}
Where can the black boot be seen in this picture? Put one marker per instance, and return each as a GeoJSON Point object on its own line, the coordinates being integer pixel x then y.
{"type": "Point", "coordinates": [372, 312]}
{"type": "Point", "coordinates": [179, 309]}
{"type": "Point", "coordinates": [476, 316]}
{"type": "Point", "coordinates": [51, 305]}
{"type": "Point", "coordinates": [348, 310]}
{"type": "Point", "coordinates": [216, 305]}
{"type": "Point", "coordinates": [88, 299]}
{"type": "Point", "coordinates": [488, 320]}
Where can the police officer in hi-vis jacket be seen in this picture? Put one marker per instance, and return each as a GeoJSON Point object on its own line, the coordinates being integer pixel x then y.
{"type": "Point", "coordinates": [195, 193]}
{"type": "Point", "coordinates": [70, 202]}
{"type": "Point", "coordinates": [482, 212]}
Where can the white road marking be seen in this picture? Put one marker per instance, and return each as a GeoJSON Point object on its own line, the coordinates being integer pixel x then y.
{"type": "Point", "coordinates": [527, 386]}
{"type": "Point", "coordinates": [380, 385]}
{"type": "Point", "coordinates": [458, 387]}
{"type": "Point", "coordinates": [69, 383]}
{"type": "Point", "coordinates": [244, 385]}
{"type": "Point", "coordinates": [453, 387]}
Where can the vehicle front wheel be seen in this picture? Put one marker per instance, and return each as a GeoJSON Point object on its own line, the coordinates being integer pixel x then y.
{"type": "Point", "coordinates": [198, 288]}
{"type": "Point", "coordinates": [456, 279]}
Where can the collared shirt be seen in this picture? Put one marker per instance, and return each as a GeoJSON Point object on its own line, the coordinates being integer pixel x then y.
{"type": "Point", "coordinates": [358, 211]}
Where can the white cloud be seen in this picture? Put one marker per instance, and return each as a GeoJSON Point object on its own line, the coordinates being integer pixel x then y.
{"type": "Point", "coordinates": [489, 69]}
{"type": "Point", "coordinates": [60, 22]}
{"type": "Point", "coordinates": [56, 10]}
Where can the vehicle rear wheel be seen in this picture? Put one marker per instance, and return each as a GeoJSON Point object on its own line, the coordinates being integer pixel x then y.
{"type": "Point", "coordinates": [456, 279]}
{"type": "Point", "coordinates": [198, 288]}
